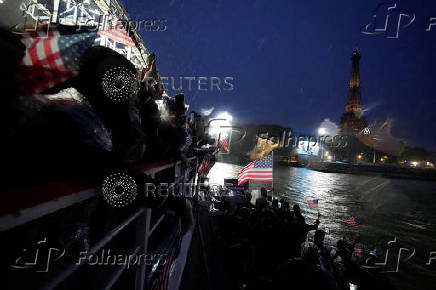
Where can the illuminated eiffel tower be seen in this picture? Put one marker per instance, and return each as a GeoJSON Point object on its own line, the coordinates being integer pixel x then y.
{"type": "Point", "coordinates": [352, 121]}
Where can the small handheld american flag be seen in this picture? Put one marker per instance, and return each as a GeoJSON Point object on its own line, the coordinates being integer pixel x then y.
{"type": "Point", "coordinates": [313, 203]}
{"type": "Point", "coordinates": [225, 144]}
{"type": "Point", "coordinates": [353, 222]}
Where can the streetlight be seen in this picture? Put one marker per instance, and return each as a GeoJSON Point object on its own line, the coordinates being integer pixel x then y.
{"type": "Point", "coordinates": [220, 126]}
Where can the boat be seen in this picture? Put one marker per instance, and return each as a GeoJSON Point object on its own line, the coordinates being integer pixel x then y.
{"type": "Point", "coordinates": [47, 230]}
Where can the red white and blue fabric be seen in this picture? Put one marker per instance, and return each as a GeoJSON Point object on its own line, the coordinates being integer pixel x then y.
{"type": "Point", "coordinates": [119, 34]}
{"type": "Point", "coordinates": [52, 57]}
{"type": "Point", "coordinates": [313, 203]}
{"type": "Point", "coordinates": [225, 144]}
{"type": "Point", "coordinates": [206, 165]}
{"type": "Point", "coordinates": [259, 170]}
{"type": "Point", "coordinates": [162, 281]}
{"type": "Point", "coordinates": [353, 221]}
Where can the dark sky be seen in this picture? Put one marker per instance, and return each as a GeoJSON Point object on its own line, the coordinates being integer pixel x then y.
{"type": "Point", "coordinates": [290, 60]}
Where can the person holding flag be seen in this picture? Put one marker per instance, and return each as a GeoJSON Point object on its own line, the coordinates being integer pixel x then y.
{"type": "Point", "coordinates": [300, 228]}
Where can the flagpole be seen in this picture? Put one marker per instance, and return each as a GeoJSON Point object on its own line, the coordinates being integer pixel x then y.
{"type": "Point", "coordinates": [272, 171]}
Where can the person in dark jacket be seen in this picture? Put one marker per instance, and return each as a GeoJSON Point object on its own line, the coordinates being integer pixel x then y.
{"type": "Point", "coordinates": [303, 272]}
{"type": "Point", "coordinates": [262, 201]}
{"type": "Point", "coordinates": [300, 228]}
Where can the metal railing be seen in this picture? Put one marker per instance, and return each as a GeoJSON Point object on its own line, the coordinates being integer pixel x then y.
{"type": "Point", "coordinates": [144, 230]}
{"type": "Point", "coordinates": [48, 11]}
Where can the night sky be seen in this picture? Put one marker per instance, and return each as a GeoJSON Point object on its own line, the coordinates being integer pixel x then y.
{"type": "Point", "coordinates": [290, 60]}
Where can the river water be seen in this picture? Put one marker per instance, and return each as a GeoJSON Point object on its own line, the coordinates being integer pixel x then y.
{"type": "Point", "coordinates": [389, 209]}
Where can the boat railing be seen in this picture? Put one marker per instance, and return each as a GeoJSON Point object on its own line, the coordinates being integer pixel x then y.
{"type": "Point", "coordinates": [77, 13]}
{"type": "Point", "coordinates": [145, 226]}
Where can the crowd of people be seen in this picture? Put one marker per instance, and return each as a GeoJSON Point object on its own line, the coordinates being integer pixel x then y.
{"type": "Point", "coordinates": [119, 116]}
{"type": "Point", "coordinates": [116, 124]}
{"type": "Point", "coordinates": [270, 248]}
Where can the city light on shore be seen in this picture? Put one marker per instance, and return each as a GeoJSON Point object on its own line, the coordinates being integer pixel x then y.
{"type": "Point", "coordinates": [220, 125]}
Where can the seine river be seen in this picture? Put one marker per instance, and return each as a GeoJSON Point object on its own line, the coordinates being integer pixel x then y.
{"type": "Point", "coordinates": [389, 209]}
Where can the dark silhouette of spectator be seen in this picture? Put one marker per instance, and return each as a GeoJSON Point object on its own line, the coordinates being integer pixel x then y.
{"type": "Point", "coordinates": [304, 272]}
{"type": "Point", "coordinates": [275, 204]}
{"type": "Point", "coordinates": [325, 258]}
{"type": "Point", "coordinates": [300, 228]}
{"type": "Point", "coordinates": [262, 201]}
{"type": "Point", "coordinates": [110, 84]}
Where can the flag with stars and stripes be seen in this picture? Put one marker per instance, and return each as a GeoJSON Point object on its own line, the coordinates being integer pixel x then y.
{"type": "Point", "coordinates": [355, 222]}
{"type": "Point", "coordinates": [206, 165]}
{"type": "Point", "coordinates": [313, 203]}
{"type": "Point", "coordinates": [224, 144]}
{"type": "Point", "coordinates": [119, 34]}
{"type": "Point", "coordinates": [259, 170]}
{"type": "Point", "coordinates": [52, 56]}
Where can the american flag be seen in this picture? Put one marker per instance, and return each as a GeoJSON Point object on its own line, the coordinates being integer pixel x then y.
{"type": "Point", "coordinates": [353, 221]}
{"type": "Point", "coordinates": [259, 170]}
{"type": "Point", "coordinates": [119, 34]}
{"type": "Point", "coordinates": [207, 163]}
{"type": "Point", "coordinates": [225, 144]}
{"type": "Point", "coordinates": [162, 281]}
{"type": "Point", "coordinates": [313, 203]}
{"type": "Point", "coordinates": [52, 57]}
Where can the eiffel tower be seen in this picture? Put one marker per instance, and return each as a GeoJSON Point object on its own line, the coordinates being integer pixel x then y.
{"type": "Point", "coordinates": [352, 121]}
